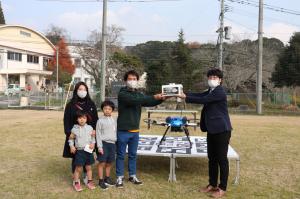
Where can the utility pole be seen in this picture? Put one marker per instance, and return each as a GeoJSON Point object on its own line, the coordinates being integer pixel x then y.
{"type": "Point", "coordinates": [260, 60]}
{"type": "Point", "coordinates": [57, 69]}
{"type": "Point", "coordinates": [221, 35]}
{"type": "Point", "coordinates": [103, 58]}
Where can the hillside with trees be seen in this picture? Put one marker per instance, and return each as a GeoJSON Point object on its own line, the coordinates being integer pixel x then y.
{"type": "Point", "coordinates": [187, 63]}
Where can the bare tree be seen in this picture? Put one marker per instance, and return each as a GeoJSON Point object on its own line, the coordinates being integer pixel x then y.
{"type": "Point", "coordinates": [118, 62]}
{"type": "Point", "coordinates": [55, 33]}
{"type": "Point", "coordinates": [90, 53]}
{"type": "Point", "coordinates": [241, 60]}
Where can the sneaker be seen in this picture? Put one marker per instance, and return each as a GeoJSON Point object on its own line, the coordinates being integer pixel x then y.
{"type": "Point", "coordinates": [91, 185]}
{"type": "Point", "coordinates": [102, 184]}
{"type": "Point", "coordinates": [119, 183]}
{"type": "Point", "coordinates": [108, 181]}
{"type": "Point", "coordinates": [135, 181]}
{"type": "Point", "coordinates": [77, 186]}
{"type": "Point", "coordinates": [85, 179]}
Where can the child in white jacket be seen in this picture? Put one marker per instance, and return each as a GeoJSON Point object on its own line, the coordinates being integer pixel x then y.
{"type": "Point", "coordinates": [82, 144]}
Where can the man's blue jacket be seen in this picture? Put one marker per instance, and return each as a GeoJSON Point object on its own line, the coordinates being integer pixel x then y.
{"type": "Point", "coordinates": [214, 115]}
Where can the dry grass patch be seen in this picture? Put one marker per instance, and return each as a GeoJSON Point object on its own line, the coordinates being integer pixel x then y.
{"type": "Point", "coordinates": [31, 166]}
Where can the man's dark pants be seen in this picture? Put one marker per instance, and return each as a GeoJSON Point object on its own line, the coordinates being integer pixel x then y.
{"type": "Point", "coordinates": [217, 148]}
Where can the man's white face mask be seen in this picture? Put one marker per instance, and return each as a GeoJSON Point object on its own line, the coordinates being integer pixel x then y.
{"type": "Point", "coordinates": [132, 84]}
{"type": "Point", "coordinates": [213, 83]}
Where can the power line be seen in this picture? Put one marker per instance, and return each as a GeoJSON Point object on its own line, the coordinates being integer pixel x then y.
{"type": "Point", "coordinates": [122, 1]}
{"type": "Point", "coordinates": [266, 6]}
{"type": "Point", "coordinates": [252, 29]}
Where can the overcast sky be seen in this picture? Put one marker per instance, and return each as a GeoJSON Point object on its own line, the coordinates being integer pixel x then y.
{"type": "Point", "coordinates": [160, 20]}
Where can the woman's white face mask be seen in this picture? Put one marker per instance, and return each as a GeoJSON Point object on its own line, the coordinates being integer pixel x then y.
{"type": "Point", "coordinates": [132, 84]}
{"type": "Point", "coordinates": [81, 93]}
{"type": "Point", "coordinates": [213, 83]}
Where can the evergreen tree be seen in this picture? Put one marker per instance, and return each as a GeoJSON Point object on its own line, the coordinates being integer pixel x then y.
{"type": "Point", "coordinates": [183, 66]}
{"type": "Point", "coordinates": [156, 56]}
{"type": "Point", "coordinates": [287, 69]}
{"type": "Point", "coordinates": [157, 75]}
{"type": "Point", "coordinates": [2, 19]}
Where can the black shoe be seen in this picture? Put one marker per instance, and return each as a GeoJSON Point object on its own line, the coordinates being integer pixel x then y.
{"type": "Point", "coordinates": [135, 181]}
{"type": "Point", "coordinates": [102, 184]}
{"type": "Point", "coordinates": [119, 183]}
{"type": "Point", "coordinates": [108, 181]}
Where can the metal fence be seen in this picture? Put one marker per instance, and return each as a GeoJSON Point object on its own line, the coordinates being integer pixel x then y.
{"type": "Point", "coordinates": [237, 102]}
{"type": "Point", "coordinates": [50, 100]}
{"type": "Point", "coordinates": [34, 100]}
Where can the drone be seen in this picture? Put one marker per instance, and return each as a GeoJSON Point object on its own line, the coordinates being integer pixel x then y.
{"type": "Point", "coordinates": [174, 124]}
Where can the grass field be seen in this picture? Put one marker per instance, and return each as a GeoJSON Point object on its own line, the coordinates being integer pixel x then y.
{"type": "Point", "coordinates": [31, 165]}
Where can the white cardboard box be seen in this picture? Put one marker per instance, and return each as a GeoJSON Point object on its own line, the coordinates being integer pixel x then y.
{"type": "Point", "coordinates": [172, 89]}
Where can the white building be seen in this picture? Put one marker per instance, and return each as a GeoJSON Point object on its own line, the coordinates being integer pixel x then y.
{"type": "Point", "coordinates": [80, 74]}
{"type": "Point", "coordinates": [24, 57]}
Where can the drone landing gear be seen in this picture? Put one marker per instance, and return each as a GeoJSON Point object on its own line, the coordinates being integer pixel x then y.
{"type": "Point", "coordinates": [186, 132]}
{"type": "Point", "coordinates": [164, 136]}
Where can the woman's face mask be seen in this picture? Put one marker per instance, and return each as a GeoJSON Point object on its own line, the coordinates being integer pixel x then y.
{"type": "Point", "coordinates": [81, 92]}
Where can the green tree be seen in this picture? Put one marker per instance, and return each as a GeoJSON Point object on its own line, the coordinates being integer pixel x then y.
{"type": "Point", "coordinates": [182, 64]}
{"type": "Point", "coordinates": [63, 77]}
{"type": "Point", "coordinates": [156, 57]}
{"type": "Point", "coordinates": [2, 18]}
{"type": "Point", "coordinates": [122, 62]}
{"type": "Point", "coordinates": [287, 69]}
{"type": "Point", "coordinates": [157, 75]}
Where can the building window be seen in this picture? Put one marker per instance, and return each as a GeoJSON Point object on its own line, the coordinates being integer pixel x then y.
{"type": "Point", "coordinates": [77, 63]}
{"type": "Point", "coordinates": [26, 34]}
{"type": "Point", "coordinates": [32, 59]}
{"type": "Point", "coordinates": [14, 56]}
{"type": "Point", "coordinates": [46, 62]}
{"type": "Point", "coordinates": [76, 80]}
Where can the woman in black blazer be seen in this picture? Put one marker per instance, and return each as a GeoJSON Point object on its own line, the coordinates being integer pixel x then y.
{"type": "Point", "coordinates": [216, 122]}
{"type": "Point", "coordinates": [80, 101]}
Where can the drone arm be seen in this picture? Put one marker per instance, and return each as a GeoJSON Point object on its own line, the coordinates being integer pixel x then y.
{"type": "Point", "coordinates": [154, 122]}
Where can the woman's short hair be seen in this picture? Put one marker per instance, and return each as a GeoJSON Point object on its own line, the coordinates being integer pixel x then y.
{"type": "Point", "coordinates": [131, 72]}
{"type": "Point", "coordinates": [215, 72]}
